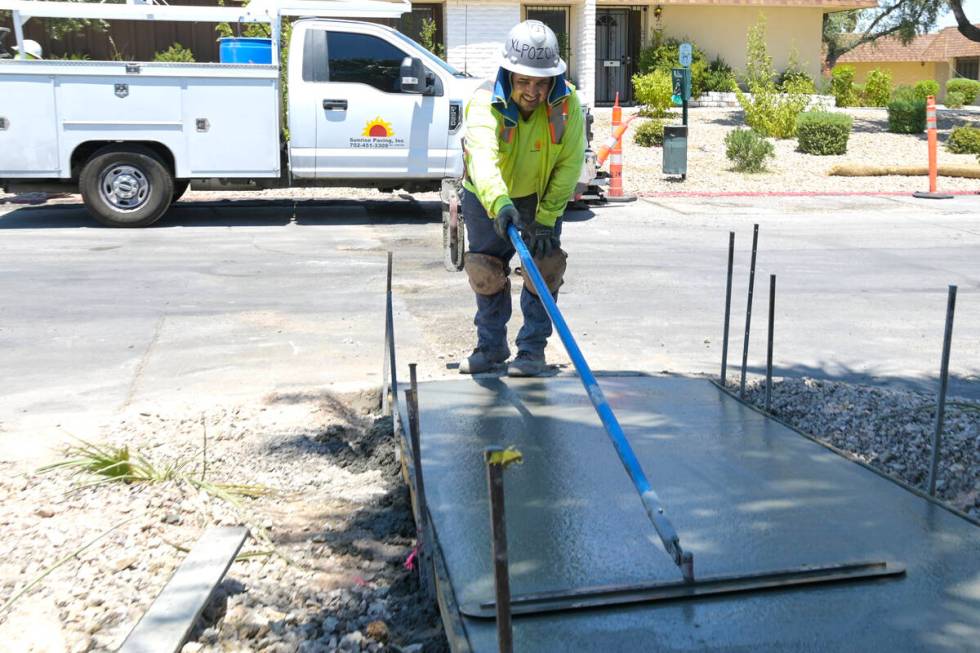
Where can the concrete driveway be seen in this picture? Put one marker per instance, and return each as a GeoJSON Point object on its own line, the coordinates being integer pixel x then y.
{"type": "Point", "coordinates": [225, 302]}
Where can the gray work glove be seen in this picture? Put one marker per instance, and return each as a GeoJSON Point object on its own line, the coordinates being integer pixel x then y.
{"type": "Point", "coordinates": [509, 215]}
{"type": "Point", "coordinates": [541, 240]}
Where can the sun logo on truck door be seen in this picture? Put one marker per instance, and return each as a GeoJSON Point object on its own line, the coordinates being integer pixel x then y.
{"type": "Point", "coordinates": [378, 128]}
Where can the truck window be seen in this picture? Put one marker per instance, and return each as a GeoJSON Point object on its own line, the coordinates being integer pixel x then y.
{"type": "Point", "coordinates": [365, 59]}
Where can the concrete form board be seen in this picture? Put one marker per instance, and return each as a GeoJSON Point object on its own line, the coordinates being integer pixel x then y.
{"type": "Point", "coordinates": [745, 493]}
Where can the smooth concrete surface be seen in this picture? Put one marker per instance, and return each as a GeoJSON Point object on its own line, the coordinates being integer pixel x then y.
{"type": "Point", "coordinates": [745, 494]}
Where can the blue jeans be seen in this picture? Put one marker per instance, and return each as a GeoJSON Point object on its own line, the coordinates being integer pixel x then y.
{"type": "Point", "coordinates": [494, 311]}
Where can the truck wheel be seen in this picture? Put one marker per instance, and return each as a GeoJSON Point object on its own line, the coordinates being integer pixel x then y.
{"type": "Point", "coordinates": [180, 187]}
{"type": "Point", "coordinates": [126, 186]}
{"type": "Point", "coordinates": [453, 229]}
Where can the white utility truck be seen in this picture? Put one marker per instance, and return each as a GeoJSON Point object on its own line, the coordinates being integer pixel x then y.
{"type": "Point", "coordinates": [366, 107]}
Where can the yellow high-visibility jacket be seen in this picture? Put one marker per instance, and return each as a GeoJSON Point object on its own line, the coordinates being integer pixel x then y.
{"type": "Point", "coordinates": [507, 156]}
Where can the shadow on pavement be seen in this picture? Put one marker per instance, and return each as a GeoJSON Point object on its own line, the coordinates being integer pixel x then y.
{"type": "Point", "coordinates": [241, 213]}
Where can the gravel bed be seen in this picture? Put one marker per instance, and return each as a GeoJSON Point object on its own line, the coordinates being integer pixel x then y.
{"type": "Point", "coordinates": [791, 171]}
{"type": "Point", "coordinates": [891, 430]}
{"type": "Point", "coordinates": [324, 569]}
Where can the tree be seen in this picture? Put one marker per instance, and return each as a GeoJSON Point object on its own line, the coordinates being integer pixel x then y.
{"type": "Point", "coordinates": [844, 31]}
{"type": "Point", "coordinates": [963, 24]}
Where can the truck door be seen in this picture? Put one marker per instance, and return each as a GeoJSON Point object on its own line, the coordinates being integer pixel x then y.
{"type": "Point", "coordinates": [367, 127]}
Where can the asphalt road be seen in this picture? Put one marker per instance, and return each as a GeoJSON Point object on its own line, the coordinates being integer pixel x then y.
{"type": "Point", "coordinates": [225, 302]}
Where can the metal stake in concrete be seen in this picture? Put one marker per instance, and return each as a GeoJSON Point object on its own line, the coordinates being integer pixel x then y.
{"type": "Point", "coordinates": [389, 354]}
{"type": "Point", "coordinates": [748, 310]}
{"type": "Point", "coordinates": [728, 307]}
{"type": "Point", "coordinates": [937, 438]}
{"type": "Point", "coordinates": [422, 518]}
{"type": "Point", "coordinates": [497, 460]}
{"type": "Point", "coordinates": [772, 322]}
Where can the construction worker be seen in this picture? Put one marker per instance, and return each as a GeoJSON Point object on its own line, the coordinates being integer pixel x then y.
{"type": "Point", "coordinates": [524, 148]}
{"type": "Point", "coordinates": [32, 50]}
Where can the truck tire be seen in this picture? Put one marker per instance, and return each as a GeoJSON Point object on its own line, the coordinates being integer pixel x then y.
{"type": "Point", "coordinates": [453, 229]}
{"type": "Point", "coordinates": [126, 186]}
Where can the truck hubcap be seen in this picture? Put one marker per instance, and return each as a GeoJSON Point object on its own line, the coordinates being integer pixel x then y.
{"type": "Point", "coordinates": [124, 187]}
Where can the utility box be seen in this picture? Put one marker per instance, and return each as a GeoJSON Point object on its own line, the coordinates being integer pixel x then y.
{"type": "Point", "coordinates": [675, 150]}
{"type": "Point", "coordinates": [680, 82]}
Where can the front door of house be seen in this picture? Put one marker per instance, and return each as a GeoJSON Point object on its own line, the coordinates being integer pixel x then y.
{"type": "Point", "coordinates": [614, 61]}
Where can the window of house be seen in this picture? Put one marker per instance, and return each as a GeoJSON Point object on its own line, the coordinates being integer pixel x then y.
{"type": "Point", "coordinates": [365, 59]}
{"type": "Point", "coordinates": [969, 68]}
{"type": "Point", "coordinates": [555, 17]}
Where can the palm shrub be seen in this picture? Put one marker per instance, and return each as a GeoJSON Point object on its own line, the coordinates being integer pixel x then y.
{"type": "Point", "coordinates": [176, 53]}
{"type": "Point", "coordinates": [654, 91]}
{"type": "Point", "coordinates": [822, 132]}
{"type": "Point", "coordinates": [877, 88]}
{"type": "Point", "coordinates": [768, 111]}
{"type": "Point", "coordinates": [969, 88]}
{"type": "Point", "coordinates": [748, 150]}
{"type": "Point", "coordinates": [842, 85]}
{"type": "Point", "coordinates": [907, 116]}
{"type": "Point", "coordinates": [650, 133]}
{"type": "Point", "coordinates": [719, 76]}
{"type": "Point", "coordinates": [964, 140]}
{"type": "Point", "coordinates": [954, 100]}
{"type": "Point", "coordinates": [925, 88]}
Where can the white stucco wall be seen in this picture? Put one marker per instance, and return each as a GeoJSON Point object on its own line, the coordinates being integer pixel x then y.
{"type": "Point", "coordinates": [475, 32]}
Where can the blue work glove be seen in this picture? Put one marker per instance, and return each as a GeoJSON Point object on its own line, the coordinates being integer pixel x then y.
{"type": "Point", "coordinates": [509, 215]}
{"type": "Point", "coordinates": [541, 240]}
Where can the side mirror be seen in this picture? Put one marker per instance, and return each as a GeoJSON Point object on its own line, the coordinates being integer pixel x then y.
{"type": "Point", "coordinates": [415, 78]}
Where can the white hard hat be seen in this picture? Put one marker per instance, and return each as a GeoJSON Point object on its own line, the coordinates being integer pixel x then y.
{"type": "Point", "coordinates": [532, 49]}
{"type": "Point", "coordinates": [31, 48]}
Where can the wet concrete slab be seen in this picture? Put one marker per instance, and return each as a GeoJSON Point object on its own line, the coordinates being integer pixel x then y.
{"type": "Point", "coordinates": [745, 493]}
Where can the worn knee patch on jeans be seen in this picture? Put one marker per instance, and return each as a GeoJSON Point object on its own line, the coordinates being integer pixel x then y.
{"type": "Point", "coordinates": [487, 274]}
{"type": "Point", "coordinates": [552, 269]}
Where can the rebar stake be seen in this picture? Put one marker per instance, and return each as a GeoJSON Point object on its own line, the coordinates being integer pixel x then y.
{"type": "Point", "coordinates": [728, 308]}
{"type": "Point", "coordinates": [497, 460]}
{"type": "Point", "coordinates": [937, 438]}
{"type": "Point", "coordinates": [389, 350]}
{"type": "Point", "coordinates": [422, 507]}
{"type": "Point", "coordinates": [748, 311]}
{"type": "Point", "coordinates": [772, 322]}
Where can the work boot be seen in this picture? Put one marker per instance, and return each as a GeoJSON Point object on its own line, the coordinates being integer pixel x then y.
{"type": "Point", "coordinates": [527, 364]}
{"type": "Point", "coordinates": [484, 359]}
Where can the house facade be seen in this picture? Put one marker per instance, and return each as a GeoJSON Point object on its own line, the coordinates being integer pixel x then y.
{"type": "Point", "coordinates": [940, 56]}
{"type": "Point", "coordinates": [602, 39]}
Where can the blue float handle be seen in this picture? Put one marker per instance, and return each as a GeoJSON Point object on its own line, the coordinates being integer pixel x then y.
{"type": "Point", "coordinates": [651, 502]}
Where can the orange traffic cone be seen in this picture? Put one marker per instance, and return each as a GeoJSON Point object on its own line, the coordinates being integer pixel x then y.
{"type": "Point", "coordinates": [931, 128]}
{"type": "Point", "coordinates": [616, 193]}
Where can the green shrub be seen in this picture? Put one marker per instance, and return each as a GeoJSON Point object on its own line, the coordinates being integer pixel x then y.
{"type": "Point", "coordinates": [877, 88]}
{"type": "Point", "coordinates": [795, 75]}
{"type": "Point", "coordinates": [954, 100]}
{"type": "Point", "coordinates": [859, 100]}
{"type": "Point", "coordinates": [964, 140]}
{"type": "Point", "coordinates": [653, 90]}
{"type": "Point", "coordinates": [748, 150]}
{"type": "Point", "coordinates": [822, 132]}
{"type": "Point", "coordinates": [662, 54]}
{"type": "Point", "coordinates": [650, 133]}
{"type": "Point", "coordinates": [768, 111]}
{"type": "Point", "coordinates": [842, 85]}
{"type": "Point", "coordinates": [719, 77]}
{"type": "Point", "coordinates": [904, 93]}
{"type": "Point", "coordinates": [176, 53]}
{"type": "Point", "coordinates": [925, 88]}
{"type": "Point", "coordinates": [969, 88]}
{"type": "Point", "coordinates": [907, 116]}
